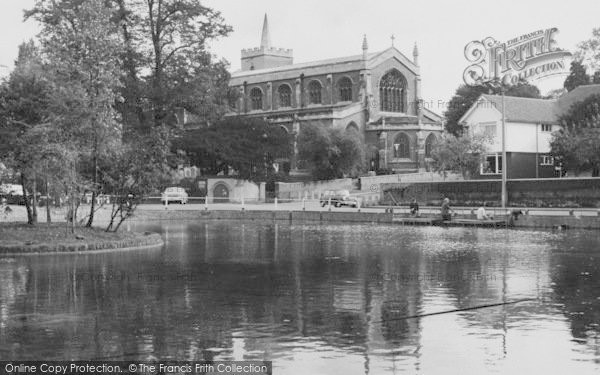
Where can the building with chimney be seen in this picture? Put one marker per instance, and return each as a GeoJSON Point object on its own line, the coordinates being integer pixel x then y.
{"type": "Point", "coordinates": [376, 94]}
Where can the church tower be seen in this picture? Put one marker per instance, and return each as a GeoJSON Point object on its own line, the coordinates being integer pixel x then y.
{"type": "Point", "coordinates": [266, 56]}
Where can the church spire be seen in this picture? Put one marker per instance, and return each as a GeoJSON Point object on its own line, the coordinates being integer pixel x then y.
{"type": "Point", "coordinates": [365, 47]}
{"type": "Point", "coordinates": [265, 41]}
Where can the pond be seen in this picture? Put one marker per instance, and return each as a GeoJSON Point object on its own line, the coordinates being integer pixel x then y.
{"type": "Point", "coordinates": [317, 299]}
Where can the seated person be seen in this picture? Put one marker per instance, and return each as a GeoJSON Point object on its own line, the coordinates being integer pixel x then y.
{"type": "Point", "coordinates": [414, 207]}
{"type": "Point", "coordinates": [482, 214]}
{"type": "Point", "coordinates": [446, 210]}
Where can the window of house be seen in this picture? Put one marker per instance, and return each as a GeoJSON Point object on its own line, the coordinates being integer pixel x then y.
{"type": "Point", "coordinates": [401, 146]}
{"type": "Point", "coordinates": [488, 130]}
{"type": "Point", "coordinates": [285, 96]}
{"type": "Point", "coordinates": [392, 92]}
{"type": "Point", "coordinates": [256, 99]}
{"type": "Point", "coordinates": [345, 87]}
{"type": "Point", "coordinates": [546, 127]}
{"type": "Point", "coordinates": [546, 160]}
{"type": "Point", "coordinates": [314, 92]}
{"type": "Point", "coordinates": [492, 164]}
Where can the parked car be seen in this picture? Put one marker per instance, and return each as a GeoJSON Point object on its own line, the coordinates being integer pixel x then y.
{"type": "Point", "coordinates": [338, 198]}
{"type": "Point", "coordinates": [174, 194]}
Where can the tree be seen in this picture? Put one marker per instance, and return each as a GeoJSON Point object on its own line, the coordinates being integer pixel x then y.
{"type": "Point", "coordinates": [139, 167]}
{"type": "Point", "coordinates": [462, 154]}
{"type": "Point", "coordinates": [465, 96]}
{"type": "Point", "coordinates": [577, 76]}
{"type": "Point", "coordinates": [588, 52]}
{"type": "Point", "coordinates": [24, 116]}
{"type": "Point", "coordinates": [249, 146]}
{"type": "Point", "coordinates": [83, 48]}
{"type": "Point", "coordinates": [577, 145]}
{"type": "Point", "coordinates": [168, 40]}
{"type": "Point", "coordinates": [331, 153]}
{"type": "Point", "coordinates": [577, 150]}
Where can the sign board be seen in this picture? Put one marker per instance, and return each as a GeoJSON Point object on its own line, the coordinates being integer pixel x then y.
{"type": "Point", "coordinates": [530, 57]}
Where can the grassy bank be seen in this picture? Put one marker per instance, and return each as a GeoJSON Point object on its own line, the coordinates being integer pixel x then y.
{"type": "Point", "coordinates": [54, 237]}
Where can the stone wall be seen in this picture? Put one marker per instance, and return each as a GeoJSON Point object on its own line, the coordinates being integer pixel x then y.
{"type": "Point", "coordinates": [310, 190]}
{"type": "Point", "coordinates": [572, 192]}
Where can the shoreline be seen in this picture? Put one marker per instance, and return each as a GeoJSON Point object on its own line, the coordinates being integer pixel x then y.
{"type": "Point", "coordinates": [21, 239]}
{"type": "Point", "coordinates": [524, 221]}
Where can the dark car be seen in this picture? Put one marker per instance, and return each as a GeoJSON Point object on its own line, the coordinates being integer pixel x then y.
{"type": "Point", "coordinates": [338, 198]}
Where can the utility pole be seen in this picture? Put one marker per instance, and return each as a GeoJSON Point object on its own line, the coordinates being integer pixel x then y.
{"type": "Point", "coordinates": [504, 171]}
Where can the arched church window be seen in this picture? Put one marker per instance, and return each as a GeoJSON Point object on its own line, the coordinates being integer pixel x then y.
{"type": "Point", "coordinates": [392, 91]}
{"type": "Point", "coordinates": [345, 87]}
{"type": "Point", "coordinates": [256, 98]}
{"type": "Point", "coordinates": [285, 96]}
{"type": "Point", "coordinates": [314, 92]}
{"type": "Point", "coordinates": [429, 144]}
{"type": "Point", "coordinates": [401, 146]}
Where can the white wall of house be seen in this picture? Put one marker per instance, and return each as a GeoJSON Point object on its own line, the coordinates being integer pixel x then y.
{"type": "Point", "coordinates": [520, 136]}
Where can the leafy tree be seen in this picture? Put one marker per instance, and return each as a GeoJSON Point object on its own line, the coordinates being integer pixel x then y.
{"type": "Point", "coordinates": [462, 154]}
{"type": "Point", "coordinates": [577, 76]}
{"type": "Point", "coordinates": [588, 51]}
{"type": "Point", "coordinates": [249, 146]}
{"type": "Point", "coordinates": [24, 107]}
{"type": "Point", "coordinates": [577, 149]}
{"type": "Point", "coordinates": [83, 49]}
{"type": "Point", "coordinates": [466, 95]}
{"type": "Point", "coordinates": [167, 63]}
{"type": "Point", "coordinates": [139, 167]}
{"type": "Point", "coordinates": [331, 153]}
{"type": "Point", "coordinates": [576, 146]}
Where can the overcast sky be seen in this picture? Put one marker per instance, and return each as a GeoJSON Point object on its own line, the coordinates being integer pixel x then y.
{"type": "Point", "coordinates": [319, 29]}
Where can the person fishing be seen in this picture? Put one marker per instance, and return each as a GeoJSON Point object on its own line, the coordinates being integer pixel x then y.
{"type": "Point", "coordinates": [446, 210]}
{"type": "Point", "coordinates": [414, 207]}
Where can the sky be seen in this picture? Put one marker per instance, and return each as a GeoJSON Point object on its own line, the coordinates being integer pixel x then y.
{"type": "Point", "coordinates": [321, 29]}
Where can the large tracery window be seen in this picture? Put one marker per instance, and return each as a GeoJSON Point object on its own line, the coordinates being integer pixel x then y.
{"type": "Point", "coordinates": [392, 91]}
{"type": "Point", "coordinates": [345, 87]}
{"type": "Point", "coordinates": [314, 92]}
{"type": "Point", "coordinates": [256, 99]}
{"type": "Point", "coordinates": [285, 96]}
{"type": "Point", "coordinates": [402, 146]}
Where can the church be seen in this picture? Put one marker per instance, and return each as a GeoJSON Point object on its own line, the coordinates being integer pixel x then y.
{"type": "Point", "coordinates": [376, 94]}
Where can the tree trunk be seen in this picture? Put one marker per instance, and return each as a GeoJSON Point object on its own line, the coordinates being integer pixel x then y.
{"type": "Point", "coordinates": [48, 217]}
{"type": "Point", "coordinates": [94, 194]}
{"type": "Point", "coordinates": [73, 218]}
{"type": "Point", "coordinates": [34, 202]}
{"type": "Point", "coordinates": [26, 199]}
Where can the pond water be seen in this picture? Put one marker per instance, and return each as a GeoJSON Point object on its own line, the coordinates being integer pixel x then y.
{"type": "Point", "coordinates": [317, 299]}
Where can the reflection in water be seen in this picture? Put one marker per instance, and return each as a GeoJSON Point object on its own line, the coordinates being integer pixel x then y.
{"type": "Point", "coordinates": [316, 299]}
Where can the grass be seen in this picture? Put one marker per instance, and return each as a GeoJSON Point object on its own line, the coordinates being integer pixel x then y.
{"type": "Point", "coordinates": [55, 233]}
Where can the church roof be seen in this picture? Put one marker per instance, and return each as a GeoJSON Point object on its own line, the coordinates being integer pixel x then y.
{"type": "Point", "coordinates": [338, 64]}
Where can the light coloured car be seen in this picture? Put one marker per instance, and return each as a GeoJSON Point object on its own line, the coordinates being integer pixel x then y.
{"type": "Point", "coordinates": [338, 198]}
{"type": "Point", "coordinates": [174, 194]}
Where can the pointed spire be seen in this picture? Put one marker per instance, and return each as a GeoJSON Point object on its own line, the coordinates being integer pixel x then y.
{"type": "Point", "coordinates": [365, 47]}
{"type": "Point", "coordinates": [416, 54]}
{"type": "Point", "coordinates": [265, 41]}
